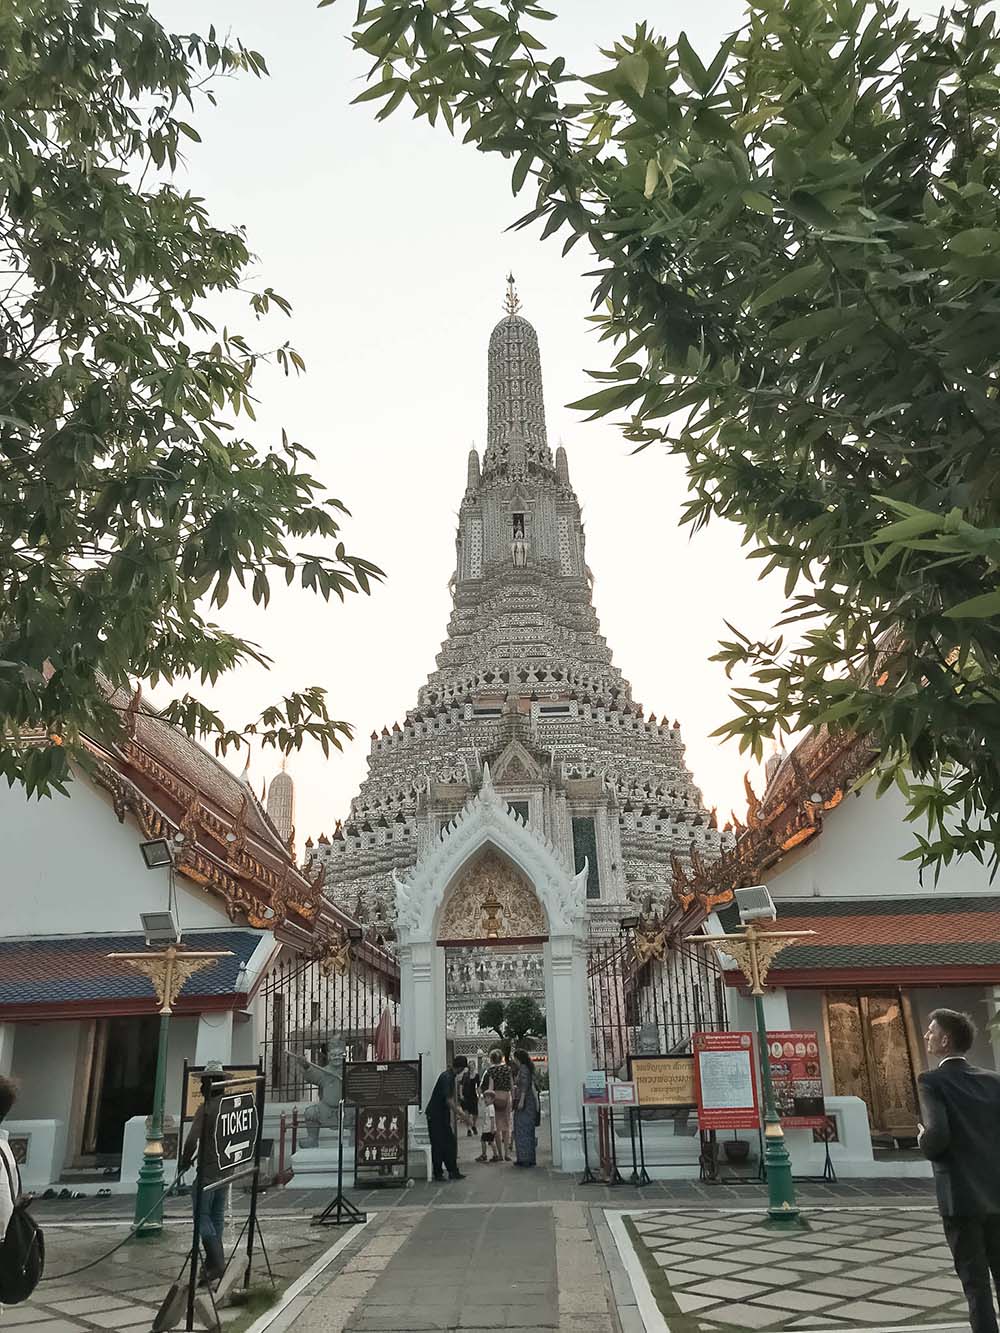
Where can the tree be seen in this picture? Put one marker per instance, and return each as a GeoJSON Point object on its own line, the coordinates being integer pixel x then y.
{"type": "Point", "coordinates": [524, 1019]}
{"type": "Point", "coordinates": [798, 270]}
{"type": "Point", "coordinates": [131, 489]}
{"type": "Point", "coordinates": [491, 1017]}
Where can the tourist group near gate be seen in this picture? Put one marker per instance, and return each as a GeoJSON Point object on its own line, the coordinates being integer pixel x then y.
{"type": "Point", "coordinates": [493, 1020]}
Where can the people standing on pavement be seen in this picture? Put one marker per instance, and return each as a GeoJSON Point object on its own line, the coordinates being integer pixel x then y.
{"type": "Point", "coordinates": [470, 1098]}
{"type": "Point", "coordinates": [441, 1111]}
{"type": "Point", "coordinates": [210, 1203]}
{"type": "Point", "coordinates": [498, 1084]}
{"type": "Point", "coordinates": [10, 1176]}
{"type": "Point", "coordinates": [525, 1110]}
{"type": "Point", "coordinates": [961, 1112]}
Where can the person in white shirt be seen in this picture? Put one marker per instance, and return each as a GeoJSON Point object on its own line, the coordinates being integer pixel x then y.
{"type": "Point", "coordinates": [10, 1177]}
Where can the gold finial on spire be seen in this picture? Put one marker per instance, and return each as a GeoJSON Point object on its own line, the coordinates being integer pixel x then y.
{"type": "Point", "coordinates": [511, 303]}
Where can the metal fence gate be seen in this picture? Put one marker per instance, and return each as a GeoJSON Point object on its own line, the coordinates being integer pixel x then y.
{"type": "Point", "coordinates": [649, 994]}
{"type": "Point", "coordinates": [308, 1005]}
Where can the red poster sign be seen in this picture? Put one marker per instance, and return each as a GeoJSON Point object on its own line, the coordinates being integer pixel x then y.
{"type": "Point", "coordinates": [797, 1079]}
{"type": "Point", "coordinates": [725, 1081]}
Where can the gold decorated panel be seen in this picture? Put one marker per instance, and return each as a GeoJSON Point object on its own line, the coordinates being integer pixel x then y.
{"type": "Point", "coordinates": [492, 901]}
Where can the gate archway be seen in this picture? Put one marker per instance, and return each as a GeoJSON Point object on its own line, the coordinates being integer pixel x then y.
{"type": "Point", "coordinates": [543, 890]}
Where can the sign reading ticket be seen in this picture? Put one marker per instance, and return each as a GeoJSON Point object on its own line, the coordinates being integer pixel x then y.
{"type": "Point", "coordinates": [663, 1080]}
{"type": "Point", "coordinates": [725, 1082]}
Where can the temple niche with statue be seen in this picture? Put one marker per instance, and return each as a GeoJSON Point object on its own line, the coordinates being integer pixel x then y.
{"type": "Point", "coordinates": [524, 684]}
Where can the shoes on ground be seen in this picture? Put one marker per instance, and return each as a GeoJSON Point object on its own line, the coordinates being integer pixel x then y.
{"type": "Point", "coordinates": [481, 1158]}
{"type": "Point", "coordinates": [456, 1175]}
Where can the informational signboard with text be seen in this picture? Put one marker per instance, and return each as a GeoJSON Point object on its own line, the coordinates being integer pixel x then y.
{"type": "Point", "coordinates": [725, 1080]}
{"type": "Point", "coordinates": [797, 1079]}
{"type": "Point", "coordinates": [663, 1080]}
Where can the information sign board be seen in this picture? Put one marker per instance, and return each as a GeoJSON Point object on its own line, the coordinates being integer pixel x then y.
{"type": "Point", "coordinates": [622, 1092]}
{"type": "Point", "coordinates": [236, 1128]}
{"type": "Point", "coordinates": [595, 1088]}
{"type": "Point", "coordinates": [372, 1083]}
{"type": "Point", "coordinates": [380, 1144]}
{"type": "Point", "coordinates": [797, 1078]}
{"type": "Point", "coordinates": [725, 1082]}
{"type": "Point", "coordinates": [663, 1080]}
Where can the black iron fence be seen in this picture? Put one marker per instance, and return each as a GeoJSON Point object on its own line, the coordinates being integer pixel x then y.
{"type": "Point", "coordinates": [650, 1005]}
{"type": "Point", "coordinates": [316, 1014]}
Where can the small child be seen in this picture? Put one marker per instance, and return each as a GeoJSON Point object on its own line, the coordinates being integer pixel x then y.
{"type": "Point", "coordinates": [488, 1136]}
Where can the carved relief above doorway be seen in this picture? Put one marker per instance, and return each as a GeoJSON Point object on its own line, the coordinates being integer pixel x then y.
{"type": "Point", "coordinates": [492, 901]}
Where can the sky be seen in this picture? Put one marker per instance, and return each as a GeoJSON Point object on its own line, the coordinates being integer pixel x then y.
{"type": "Point", "coordinates": [389, 240]}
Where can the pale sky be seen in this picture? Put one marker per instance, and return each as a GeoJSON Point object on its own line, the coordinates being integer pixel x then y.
{"type": "Point", "coordinates": [389, 240]}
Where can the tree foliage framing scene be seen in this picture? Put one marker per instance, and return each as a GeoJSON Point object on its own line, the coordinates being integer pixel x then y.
{"type": "Point", "coordinates": [798, 278]}
{"type": "Point", "coordinates": [133, 493]}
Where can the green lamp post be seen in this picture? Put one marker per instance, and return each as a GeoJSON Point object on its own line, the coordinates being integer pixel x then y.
{"type": "Point", "coordinates": [167, 970]}
{"type": "Point", "coordinates": [754, 950]}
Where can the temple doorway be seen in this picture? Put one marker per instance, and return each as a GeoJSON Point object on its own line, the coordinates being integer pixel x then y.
{"type": "Point", "coordinates": [489, 890]}
{"type": "Point", "coordinates": [495, 1000]}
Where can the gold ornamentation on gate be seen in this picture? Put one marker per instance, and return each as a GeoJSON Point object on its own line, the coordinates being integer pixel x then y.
{"type": "Point", "coordinates": [492, 901]}
{"type": "Point", "coordinates": [650, 940]}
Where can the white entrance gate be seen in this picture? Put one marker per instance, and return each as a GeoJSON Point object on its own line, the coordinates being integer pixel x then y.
{"type": "Point", "coordinates": [487, 822]}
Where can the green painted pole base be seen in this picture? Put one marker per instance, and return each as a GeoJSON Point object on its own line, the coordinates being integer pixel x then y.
{"type": "Point", "coordinates": [149, 1197]}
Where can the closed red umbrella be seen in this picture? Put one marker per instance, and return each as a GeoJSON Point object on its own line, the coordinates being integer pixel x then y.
{"type": "Point", "coordinates": [384, 1043]}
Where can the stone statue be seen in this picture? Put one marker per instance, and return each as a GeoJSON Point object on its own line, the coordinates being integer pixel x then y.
{"type": "Point", "coordinates": [329, 1078]}
{"type": "Point", "coordinates": [519, 547]}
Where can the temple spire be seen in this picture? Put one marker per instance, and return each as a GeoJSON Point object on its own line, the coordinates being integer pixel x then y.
{"type": "Point", "coordinates": [511, 303]}
{"type": "Point", "coordinates": [515, 401]}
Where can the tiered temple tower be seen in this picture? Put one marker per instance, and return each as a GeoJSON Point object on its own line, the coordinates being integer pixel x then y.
{"type": "Point", "coordinates": [524, 682]}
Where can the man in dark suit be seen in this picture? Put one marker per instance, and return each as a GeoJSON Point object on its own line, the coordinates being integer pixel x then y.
{"type": "Point", "coordinates": [960, 1133]}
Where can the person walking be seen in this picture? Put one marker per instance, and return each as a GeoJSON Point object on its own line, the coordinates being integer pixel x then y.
{"type": "Point", "coordinates": [498, 1085]}
{"type": "Point", "coordinates": [525, 1110]}
{"type": "Point", "coordinates": [442, 1111]}
{"type": "Point", "coordinates": [470, 1099]}
{"type": "Point", "coordinates": [210, 1200]}
{"type": "Point", "coordinates": [961, 1113]}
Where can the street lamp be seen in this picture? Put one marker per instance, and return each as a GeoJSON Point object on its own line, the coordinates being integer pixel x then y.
{"type": "Point", "coordinates": [754, 950]}
{"type": "Point", "coordinates": [167, 971]}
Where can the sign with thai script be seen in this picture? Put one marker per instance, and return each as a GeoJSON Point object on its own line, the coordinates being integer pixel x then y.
{"type": "Point", "coordinates": [380, 1144]}
{"type": "Point", "coordinates": [382, 1083]}
{"type": "Point", "coordinates": [622, 1092]}
{"type": "Point", "coordinates": [797, 1079]}
{"type": "Point", "coordinates": [663, 1080]}
{"type": "Point", "coordinates": [725, 1082]}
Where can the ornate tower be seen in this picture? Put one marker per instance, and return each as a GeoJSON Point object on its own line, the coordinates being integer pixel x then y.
{"type": "Point", "coordinates": [281, 804]}
{"type": "Point", "coordinates": [524, 681]}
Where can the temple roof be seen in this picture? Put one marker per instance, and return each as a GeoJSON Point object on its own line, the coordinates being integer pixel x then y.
{"type": "Point", "coordinates": [73, 972]}
{"type": "Point", "coordinates": [933, 940]}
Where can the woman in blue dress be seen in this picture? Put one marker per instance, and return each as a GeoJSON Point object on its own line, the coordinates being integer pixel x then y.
{"type": "Point", "coordinates": [525, 1110]}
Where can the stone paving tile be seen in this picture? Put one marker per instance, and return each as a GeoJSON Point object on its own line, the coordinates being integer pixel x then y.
{"type": "Point", "coordinates": [794, 1300]}
{"type": "Point", "coordinates": [746, 1316]}
{"type": "Point", "coordinates": [133, 1314]}
{"type": "Point", "coordinates": [728, 1289]}
{"type": "Point", "coordinates": [89, 1304]}
{"type": "Point", "coordinates": [875, 1312]}
{"type": "Point", "coordinates": [15, 1315]}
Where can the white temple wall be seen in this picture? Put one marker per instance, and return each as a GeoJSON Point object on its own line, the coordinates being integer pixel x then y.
{"type": "Point", "coordinates": [72, 869]}
{"type": "Point", "coordinates": [857, 855]}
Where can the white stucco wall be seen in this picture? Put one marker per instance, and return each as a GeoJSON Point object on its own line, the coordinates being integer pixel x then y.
{"type": "Point", "coordinates": [857, 855]}
{"type": "Point", "coordinates": [70, 868]}
{"type": "Point", "coordinates": [45, 1059]}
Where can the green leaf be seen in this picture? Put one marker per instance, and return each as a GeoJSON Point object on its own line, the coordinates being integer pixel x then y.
{"type": "Point", "coordinates": [987, 604]}
{"type": "Point", "coordinates": [634, 69]}
{"type": "Point", "coordinates": [758, 202]}
{"type": "Point", "coordinates": [694, 73]}
{"type": "Point", "coordinates": [800, 279]}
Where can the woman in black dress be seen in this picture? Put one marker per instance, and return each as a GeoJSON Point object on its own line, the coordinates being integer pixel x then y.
{"type": "Point", "coordinates": [469, 1099]}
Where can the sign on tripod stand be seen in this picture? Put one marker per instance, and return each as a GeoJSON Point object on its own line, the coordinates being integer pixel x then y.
{"type": "Point", "coordinates": [237, 1126]}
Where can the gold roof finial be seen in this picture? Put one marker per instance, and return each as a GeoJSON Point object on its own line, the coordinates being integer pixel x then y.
{"type": "Point", "coordinates": [511, 303]}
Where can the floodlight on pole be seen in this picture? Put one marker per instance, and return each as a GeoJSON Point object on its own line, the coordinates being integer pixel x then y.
{"type": "Point", "coordinates": [156, 853]}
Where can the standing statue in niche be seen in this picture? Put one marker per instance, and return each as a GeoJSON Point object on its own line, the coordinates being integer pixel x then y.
{"type": "Point", "coordinates": [519, 546]}
{"type": "Point", "coordinates": [329, 1078]}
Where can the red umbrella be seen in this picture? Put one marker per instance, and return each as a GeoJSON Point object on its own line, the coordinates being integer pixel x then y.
{"type": "Point", "coordinates": [384, 1043]}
